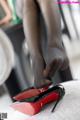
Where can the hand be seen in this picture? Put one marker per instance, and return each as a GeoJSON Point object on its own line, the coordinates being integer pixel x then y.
{"type": "Point", "coordinates": [5, 20]}
{"type": "Point", "coordinates": [7, 11]}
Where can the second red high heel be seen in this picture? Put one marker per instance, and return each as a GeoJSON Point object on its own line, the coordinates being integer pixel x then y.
{"type": "Point", "coordinates": [33, 105]}
{"type": "Point", "coordinates": [30, 92]}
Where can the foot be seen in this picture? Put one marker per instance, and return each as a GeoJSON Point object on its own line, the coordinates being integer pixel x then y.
{"type": "Point", "coordinates": [53, 67]}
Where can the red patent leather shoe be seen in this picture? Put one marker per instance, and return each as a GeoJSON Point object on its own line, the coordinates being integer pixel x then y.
{"type": "Point", "coordinates": [33, 100]}
{"type": "Point", "coordinates": [30, 92]}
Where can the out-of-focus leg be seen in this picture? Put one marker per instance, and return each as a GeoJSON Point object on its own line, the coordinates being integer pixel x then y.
{"type": "Point", "coordinates": [52, 19]}
{"type": "Point", "coordinates": [56, 57]}
{"type": "Point", "coordinates": [32, 33]}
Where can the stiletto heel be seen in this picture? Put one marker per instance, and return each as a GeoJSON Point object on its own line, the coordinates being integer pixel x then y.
{"type": "Point", "coordinates": [61, 94]}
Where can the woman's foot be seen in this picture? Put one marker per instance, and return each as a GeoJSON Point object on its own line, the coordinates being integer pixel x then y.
{"type": "Point", "coordinates": [57, 59]}
{"type": "Point", "coordinates": [43, 83]}
{"type": "Point", "coordinates": [53, 67]}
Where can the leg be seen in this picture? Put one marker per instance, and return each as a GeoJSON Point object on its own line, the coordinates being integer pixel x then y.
{"type": "Point", "coordinates": [56, 53]}
{"type": "Point", "coordinates": [51, 16]}
{"type": "Point", "coordinates": [32, 34]}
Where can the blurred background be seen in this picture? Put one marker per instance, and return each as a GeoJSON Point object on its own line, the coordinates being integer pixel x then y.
{"type": "Point", "coordinates": [21, 73]}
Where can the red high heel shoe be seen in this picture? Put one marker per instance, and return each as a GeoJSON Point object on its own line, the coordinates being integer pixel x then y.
{"type": "Point", "coordinates": [31, 103]}
{"type": "Point", "coordinates": [30, 92]}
